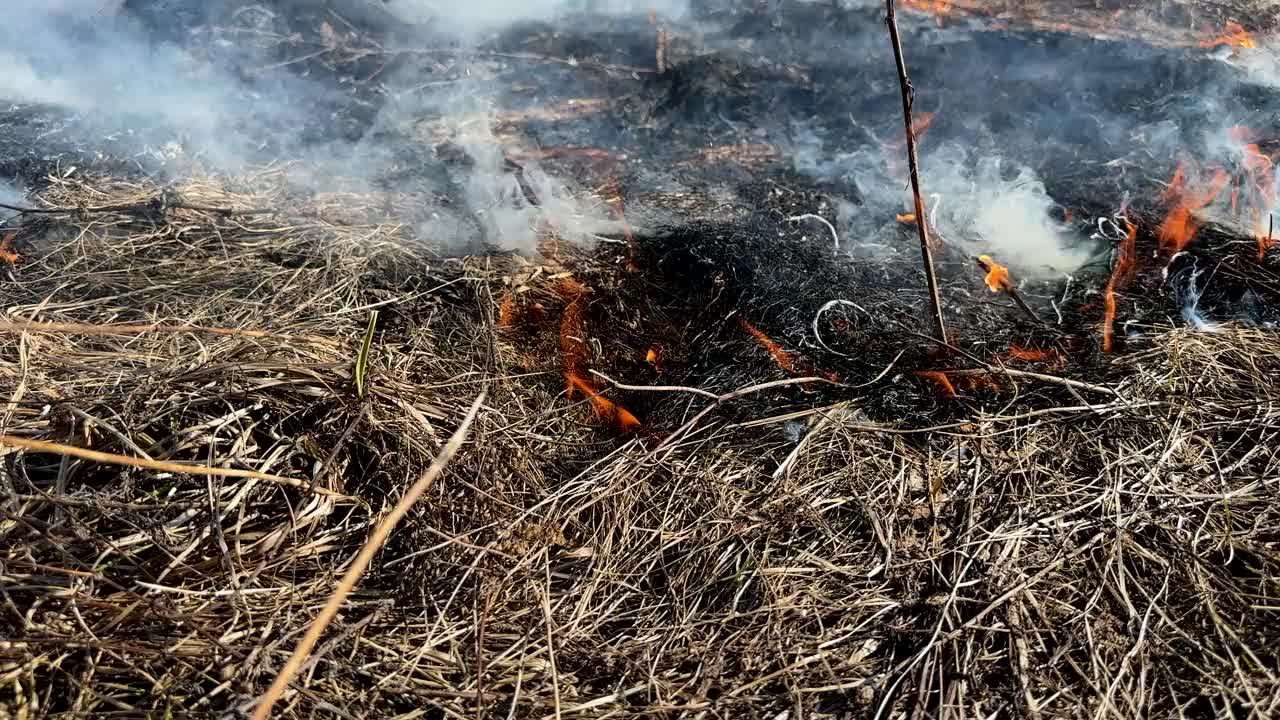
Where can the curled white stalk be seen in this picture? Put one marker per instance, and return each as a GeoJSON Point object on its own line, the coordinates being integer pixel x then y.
{"type": "Point", "coordinates": [822, 311]}
{"type": "Point", "coordinates": [933, 211]}
{"type": "Point", "coordinates": [810, 216]}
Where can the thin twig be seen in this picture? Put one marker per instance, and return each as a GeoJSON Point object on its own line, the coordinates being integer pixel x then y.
{"type": "Point", "coordinates": [913, 163]}
{"type": "Point", "coordinates": [362, 561]}
{"type": "Point", "coordinates": [124, 460]}
{"type": "Point", "coordinates": [726, 397]}
{"type": "Point", "coordinates": [1051, 379]}
{"type": "Point", "coordinates": [655, 388]}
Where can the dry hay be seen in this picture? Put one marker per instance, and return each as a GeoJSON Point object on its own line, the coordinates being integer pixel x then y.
{"type": "Point", "coordinates": [1099, 560]}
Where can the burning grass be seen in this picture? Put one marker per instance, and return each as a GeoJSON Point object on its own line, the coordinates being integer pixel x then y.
{"type": "Point", "coordinates": [1068, 554]}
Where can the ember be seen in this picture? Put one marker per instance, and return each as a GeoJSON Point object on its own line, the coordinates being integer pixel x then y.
{"type": "Point", "coordinates": [1030, 354]}
{"type": "Point", "coordinates": [654, 357]}
{"type": "Point", "coordinates": [780, 356]}
{"type": "Point", "coordinates": [939, 380]}
{"type": "Point", "coordinates": [7, 253]}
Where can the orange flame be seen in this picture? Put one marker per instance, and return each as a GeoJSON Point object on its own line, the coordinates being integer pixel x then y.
{"type": "Point", "coordinates": [605, 409]}
{"type": "Point", "coordinates": [907, 218]}
{"type": "Point", "coordinates": [1180, 225]}
{"type": "Point", "coordinates": [1121, 276]}
{"type": "Point", "coordinates": [933, 7]}
{"type": "Point", "coordinates": [1233, 35]}
{"type": "Point", "coordinates": [997, 275]}
{"type": "Point", "coordinates": [573, 328]}
{"type": "Point", "coordinates": [1260, 196]}
{"type": "Point", "coordinates": [1265, 242]}
{"type": "Point", "coordinates": [1176, 185]}
{"type": "Point", "coordinates": [780, 356]}
{"type": "Point", "coordinates": [939, 380]}
{"type": "Point", "coordinates": [921, 124]}
{"type": "Point", "coordinates": [573, 333]}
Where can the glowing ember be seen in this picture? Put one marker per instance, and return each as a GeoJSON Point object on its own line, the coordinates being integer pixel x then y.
{"type": "Point", "coordinates": [780, 356]}
{"type": "Point", "coordinates": [1180, 225]}
{"type": "Point", "coordinates": [939, 380]}
{"type": "Point", "coordinates": [7, 254]}
{"type": "Point", "coordinates": [1029, 354]}
{"type": "Point", "coordinates": [907, 218]}
{"type": "Point", "coordinates": [997, 275]}
{"type": "Point", "coordinates": [507, 311]}
{"type": "Point", "coordinates": [654, 357]}
{"type": "Point", "coordinates": [1233, 35]}
{"type": "Point", "coordinates": [573, 329]}
{"type": "Point", "coordinates": [1121, 276]}
{"type": "Point", "coordinates": [977, 381]}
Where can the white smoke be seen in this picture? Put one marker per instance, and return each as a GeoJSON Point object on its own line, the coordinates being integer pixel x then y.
{"type": "Point", "coordinates": [988, 208]}
{"type": "Point", "coordinates": [88, 57]}
{"type": "Point", "coordinates": [9, 195]}
{"type": "Point", "coordinates": [982, 204]}
{"type": "Point", "coordinates": [477, 16]}
{"type": "Point", "coordinates": [496, 208]}
{"type": "Point", "coordinates": [228, 104]}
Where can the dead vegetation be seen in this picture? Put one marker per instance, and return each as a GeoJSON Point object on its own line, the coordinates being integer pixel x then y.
{"type": "Point", "coordinates": [1114, 556]}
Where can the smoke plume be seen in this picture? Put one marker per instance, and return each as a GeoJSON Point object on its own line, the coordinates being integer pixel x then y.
{"type": "Point", "coordinates": [227, 85]}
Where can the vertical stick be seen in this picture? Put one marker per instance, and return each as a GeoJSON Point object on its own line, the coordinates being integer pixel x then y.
{"type": "Point", "coordinates": [908, 99]}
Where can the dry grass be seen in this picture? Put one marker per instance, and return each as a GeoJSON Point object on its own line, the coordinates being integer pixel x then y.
{"type": "Point", "coordinates": [1105, 560]}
